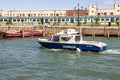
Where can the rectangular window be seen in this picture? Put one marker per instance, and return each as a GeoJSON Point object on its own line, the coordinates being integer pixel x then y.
{"type": "Point", "coordinates": [92, 11]}
{"type": "Point", "coordinates": [98, 13]}
{"type": "Point", "coordinates": [105, 13]}
{"type": "Point", "coordinates": [63, 19]}
{"type": "Point", "coordinates": [111, 13]}
{"type": "Point", "coordinates": [67, 19]}
{"type": "Point", "coordinates": [51, 20]}
{"type": "Point", "coordinates": [102, 19]}
{"type": "Point", "coordinates": [107, 19]}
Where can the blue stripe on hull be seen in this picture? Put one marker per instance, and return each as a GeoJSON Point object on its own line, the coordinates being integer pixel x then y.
{"type": "Point", "coordinates": [82, 47]}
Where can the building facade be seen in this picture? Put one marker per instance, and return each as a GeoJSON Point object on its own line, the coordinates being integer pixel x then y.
{"type": "Point", "coordinates": [95, 11]}
{"type": "Point", "coordinates": [63, 17]}
{"type": "Point", "coordinates": [32, 13]}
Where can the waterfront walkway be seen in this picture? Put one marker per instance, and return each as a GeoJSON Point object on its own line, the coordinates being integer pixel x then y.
{"type": "Point", "coordinates": [86, 31]}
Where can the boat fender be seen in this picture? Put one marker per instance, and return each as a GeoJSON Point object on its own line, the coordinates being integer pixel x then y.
{"type": "Point", "coordinates": [78, 50]}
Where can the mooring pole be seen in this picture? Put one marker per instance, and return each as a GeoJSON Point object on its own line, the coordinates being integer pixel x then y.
{"type": "Point", "coordinates": [93, 33]}
{"type": "Point", "coordinates": [108, 34]}
{"type": "Point", "coordinates": [105, 31]}
{"type": "Point", "coordinates": [43, 31]}
{"type": "Point", "coordinates": [54, 30]}
{"type": "Point", "coordinates": [118, 31]}
{"type": "Point", "coordinates": [22, 32]}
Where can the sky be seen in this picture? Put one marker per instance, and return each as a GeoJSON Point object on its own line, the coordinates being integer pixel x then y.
{"type": "Point", "coordinates": [53, 4]}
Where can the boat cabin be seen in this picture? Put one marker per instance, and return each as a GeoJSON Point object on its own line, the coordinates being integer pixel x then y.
{"type": "Point", "coordinates": [12, 31]}
{"type": "Point", "coordinates": [67, 31]}
{"type": "Point", "coordinates": [65, 38]}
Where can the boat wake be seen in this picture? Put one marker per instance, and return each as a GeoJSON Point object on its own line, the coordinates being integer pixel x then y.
{"type": "Point", "coordinates": [111, 51]}
{"type": "Point", "coordinates": [55, 49]}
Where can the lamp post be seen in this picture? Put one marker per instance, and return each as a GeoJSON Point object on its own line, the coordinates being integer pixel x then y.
{"type": "Point", "coordinates": [92, 20]}
{"type": "Point", "coordinates": [78, 21]}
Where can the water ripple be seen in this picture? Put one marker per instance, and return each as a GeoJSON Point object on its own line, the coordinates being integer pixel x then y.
{"type": "Point", "coordinates": [25, 59]}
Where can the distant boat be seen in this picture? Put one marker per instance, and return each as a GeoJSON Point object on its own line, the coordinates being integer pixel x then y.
{"type": "Point", "coordinates": [38, 32]}
{"type": "Point", "coordinates": [28, 33]}
{"type": "Point", "coordinates": [68, 39]}
{"type": "Point", "coordinates": [12, 33]}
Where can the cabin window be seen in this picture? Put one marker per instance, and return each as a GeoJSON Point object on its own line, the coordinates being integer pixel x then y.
{"type": "Point", "coordinates": [65, 38]}
{"type": "Point", "coordinates": [56, 38]}
{"type": "Point", "coordinates": [77, 38]}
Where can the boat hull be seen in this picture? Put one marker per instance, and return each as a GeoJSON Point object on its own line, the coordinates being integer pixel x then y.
{"type": "Point", "coordinates": [28, 34]}
{"type": "Point", "coordinates": [38, 33]}
{"type": "Point", "coordinates": [72, 46]}
{"type": "Point", "coordinates": [11, 34]}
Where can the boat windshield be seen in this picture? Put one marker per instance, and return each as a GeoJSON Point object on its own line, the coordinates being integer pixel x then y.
{"type": "Point", "coordinates": [56, 38]}
{"type": "Point", "coordinates": [11, 31]}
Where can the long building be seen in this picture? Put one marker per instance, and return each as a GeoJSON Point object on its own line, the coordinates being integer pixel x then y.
{"type": "Point", "coordinates": [63, 17]}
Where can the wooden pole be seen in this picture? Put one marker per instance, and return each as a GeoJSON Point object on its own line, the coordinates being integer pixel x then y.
{"type": "Point", "coordinates": [108, 34]}
{"type": "Point", "coordinates": [22, 32]}
{"type": "Point", "coordinates": [105, 31]}
{"type": "Point", "coordinates": [1, 34]}
{"type": "Point", "coordinates": [54, 30]}
{"type": "Point", "coordinates": [43, 31]}
{"type": "Point", "coordinates": [93, 33]}
{"type": "Point", "coordinates": [118, 32]}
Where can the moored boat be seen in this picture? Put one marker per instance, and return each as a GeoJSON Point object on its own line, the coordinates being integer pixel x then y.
{"type": "Point", "coordinates": [27, 33]}
{"type": "Point", "coordinates": [38, 32]}
{"type": "Point", "coordinates": [12, 33]}
{"type": "Point", "coordinates": [71, 42]}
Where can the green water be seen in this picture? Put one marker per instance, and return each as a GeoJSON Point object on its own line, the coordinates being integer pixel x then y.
{"type": "Point", "coordinates": [25, 59]}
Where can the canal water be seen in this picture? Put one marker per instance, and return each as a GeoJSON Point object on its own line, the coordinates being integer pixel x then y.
{"type": "Point", "coordinates": [25, 59]}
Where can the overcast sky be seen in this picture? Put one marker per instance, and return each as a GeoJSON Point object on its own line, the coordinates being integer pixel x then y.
{"type": "Point", "coordinates": [54, 4]}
